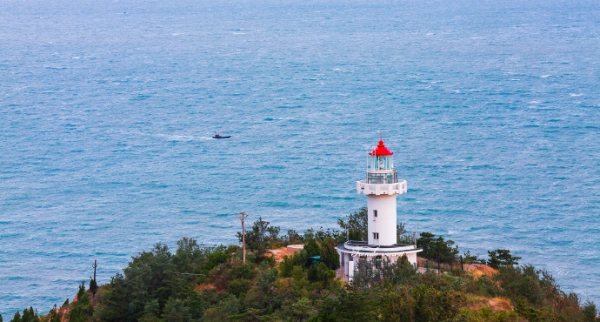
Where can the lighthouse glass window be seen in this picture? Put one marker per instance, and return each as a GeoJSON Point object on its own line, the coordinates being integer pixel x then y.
{"type": "Point", "coordinates": [382, 162]}
{"type": "Point", "coordinates": [382, 177]}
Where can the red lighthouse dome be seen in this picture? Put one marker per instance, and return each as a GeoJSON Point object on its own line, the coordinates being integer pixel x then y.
{"type": "Point", "coordinates": [381, 150]}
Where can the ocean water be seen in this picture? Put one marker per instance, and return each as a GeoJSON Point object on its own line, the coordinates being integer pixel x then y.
{"type": "Point", "coordinates": [107, 108]}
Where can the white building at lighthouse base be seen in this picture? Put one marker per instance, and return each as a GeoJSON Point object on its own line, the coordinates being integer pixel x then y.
{"type": "Point", "coordinates": [351, 252]}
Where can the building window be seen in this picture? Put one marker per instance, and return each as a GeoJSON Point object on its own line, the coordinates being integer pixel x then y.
{"type": "Point", "coordinates": [375, 235]}
{"type": "Point", "coordinates": [374, 213]}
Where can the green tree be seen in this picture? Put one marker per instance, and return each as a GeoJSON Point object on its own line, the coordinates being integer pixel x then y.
{"type": "Point", "coordinates": [356, 225]}
{"type": "Point", "coordinates": [312, 248]}
{"type": "Point", "coordinates": [262, 294]}
{"type": "Point", "coordinates": [149, 276]}
{"type": "Point", "coordinates": [397, 305]}
{"type": "Point", "coordinates": [259, 238]}
{"type": "Point", "coordinates": [437, 248]}
{"type": "Point", "coordinates": [293, 236]}
{"type": "Point", "coordinates": [329, 256]}
{"type": "Point", "coordinates": [81, 310]}
{"type": "Point", "coordinates": [188, 256]}
{"type": "Point", "coordinates": [151, 311]}
{"type": "Point", "coordinates": [424, 242]}
{"type": "Point", "coordinates": [355, 305]}
{"type": "Point", "coordinates": [29, 315]}
{"type": "Point", "coordinates": [501, 258]}
{"type": "Point", "coordinates": [472, 259]}
{"type": "Point", "coordinates": [589, 311]}
{"type": "Point", "coordinates": [273, 232]}
{"type": "Point", "coordinates": [115, 300]}
{"type": "Point", "coordinates": [93, 287]}
{"type": "Point", "coordinates": [16, 317]}
{"type": "Point", "coordinates": [176, 311]}
{"type": "Point", "coordinates": [402, 237]}
{"type": "Point", "coordinates": [399, 272]}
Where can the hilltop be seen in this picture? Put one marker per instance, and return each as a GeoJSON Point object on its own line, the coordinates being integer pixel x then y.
{"type": "Point", "coordinates": [200, 283]}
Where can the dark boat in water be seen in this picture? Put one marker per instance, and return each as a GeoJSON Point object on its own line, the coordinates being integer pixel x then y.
{"type": "Point", "coordinates": [219, 136]}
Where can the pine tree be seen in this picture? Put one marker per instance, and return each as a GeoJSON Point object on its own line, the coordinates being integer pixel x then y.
{"type": "Point", "coordinates": [93, 287]}
{"type": "Point", "coordinates": [17, 317]}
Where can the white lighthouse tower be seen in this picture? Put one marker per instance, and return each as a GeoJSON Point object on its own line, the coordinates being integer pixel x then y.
{"type": "Point", "coordinates": [381, 186]}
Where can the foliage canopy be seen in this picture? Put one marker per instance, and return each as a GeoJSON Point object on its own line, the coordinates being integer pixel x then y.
{"type": "Point", "coordinates": [199, 283]}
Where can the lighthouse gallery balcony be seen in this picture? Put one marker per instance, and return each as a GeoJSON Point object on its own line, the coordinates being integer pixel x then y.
{"type": "Point", "coordinates": [368, 188]}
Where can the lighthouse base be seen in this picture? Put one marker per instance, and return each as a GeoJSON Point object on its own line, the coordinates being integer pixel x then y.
{"type": "Point", "coordinates": [352, 252]}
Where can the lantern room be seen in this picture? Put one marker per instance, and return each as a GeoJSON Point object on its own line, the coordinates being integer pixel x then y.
{"type": "Point", "coordinates": [381, 166]}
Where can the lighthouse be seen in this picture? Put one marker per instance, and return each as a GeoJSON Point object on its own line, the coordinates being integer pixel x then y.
{"type": "Point", "coordinates": [381, 186]}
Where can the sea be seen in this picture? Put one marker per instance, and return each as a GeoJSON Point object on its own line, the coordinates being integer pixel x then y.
{"type": "Point", "coordinates": [107, 109]}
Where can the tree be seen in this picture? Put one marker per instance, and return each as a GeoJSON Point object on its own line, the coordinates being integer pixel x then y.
{"type": "Point", "coordinates": [259, 238]}
{"type": "Point", "coordinates": [329, 256]}
{"type": "Point", "coordinates": [93, 286]}
{"type": "Point", "coordinates": [274, 232]}
{"type": "Point", "coordinates": [356, 226]}
{"type": "Point", "coordinates": [424, 242]}
{"type": "Point", "coordinates": [82, 309]}
{"type": "Point", "coordinates": [589, 311]}
{"type": "Point", "coordinates": [188, 255]}
{"type": "Point", "coordinates": [472, 259]}
{"type": "Point", "coordinates": [402, 237]}
{"type": "Point", "coordinates": [176, 311]}
{"type": "Point", "coordinates": [293, 236]}
{"type": "Point", "coordinates": [16, 317]}
{"type": "Point", "coordinates": [437, 248]}
{"type": "Point", "coordinates": [355, 305]}
{"type": "Point", "coordinates": [29, 315]}
{"type": "Point", "coordinates": [502, 258]}
{"type": "Point", "coordinates": [397, 305]}
{"type": "Point", "coordinates": [312, 248]}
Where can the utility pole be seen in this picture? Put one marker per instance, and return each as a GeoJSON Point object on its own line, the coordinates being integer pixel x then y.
{"type": "Point", "coordinates": [415, 238]}
{"type": "Point", "coordinates": [243, 215]}
{"type": "Point", "coordinates": [95, 266]}
{"type": "Point", "coordinates": [347, 229]}
{"type": "Point", "coordinates": [93, 284]}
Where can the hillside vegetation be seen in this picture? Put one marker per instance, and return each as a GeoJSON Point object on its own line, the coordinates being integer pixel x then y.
{"type": "Point", "coordinates": [199, 283]}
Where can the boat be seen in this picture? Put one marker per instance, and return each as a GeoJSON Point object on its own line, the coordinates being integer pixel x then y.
{"type": "Point", "coordinates": [219, 136]}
